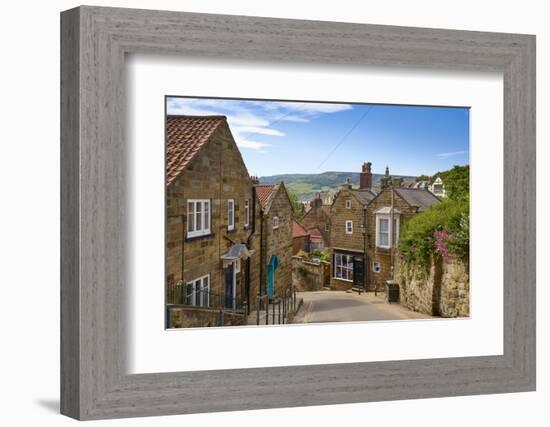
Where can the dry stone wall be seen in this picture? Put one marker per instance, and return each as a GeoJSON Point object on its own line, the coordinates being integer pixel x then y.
{"type": "Point", "coordinates": [443, 290]}
{"type": "Point", "coordinates": [307, 275]}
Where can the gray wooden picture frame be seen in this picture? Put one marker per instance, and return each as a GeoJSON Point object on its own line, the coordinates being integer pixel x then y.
{"type": "Point", "coordinates": [94, 41]}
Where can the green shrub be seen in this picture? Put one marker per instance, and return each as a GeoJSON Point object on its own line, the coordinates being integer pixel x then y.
{"type": "Point", "coordinates": [441, 230]}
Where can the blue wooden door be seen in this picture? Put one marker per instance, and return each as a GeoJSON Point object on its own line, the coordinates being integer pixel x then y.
{"type": "Point", "coordinates": [229, 294]}
{"type": "Point", "coordinates": [273, 263]}
{"type": "Point", "coordinates": [270, 279]}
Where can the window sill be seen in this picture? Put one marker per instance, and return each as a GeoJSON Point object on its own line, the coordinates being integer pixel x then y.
{"type": "Point", "coordinates": [199, 236]}
{"type": "Point", "coordinates": [343, 280]}
{"type": "Point", "coordinates": [232, 230]}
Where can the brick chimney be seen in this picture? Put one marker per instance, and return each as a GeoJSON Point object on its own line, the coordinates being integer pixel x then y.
{"type": "Point", "coordinates": [365, 179]}
{"type": "Point", "coordinates": [254, 179]}
{"type": "Point", "coordinates": [317, 202]}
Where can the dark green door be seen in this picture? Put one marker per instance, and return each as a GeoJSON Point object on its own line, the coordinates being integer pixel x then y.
{"type": "Point", "coordinates": [358, 271]}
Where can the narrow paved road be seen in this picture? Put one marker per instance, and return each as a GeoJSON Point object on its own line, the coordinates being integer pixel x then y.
{"type": "Point", "coordinates": [340, 306]}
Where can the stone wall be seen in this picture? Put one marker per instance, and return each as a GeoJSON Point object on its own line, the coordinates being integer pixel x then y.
{"type": "Point", "coordinates": [216, 173]}
{"type": "Point", "coordinates": [443, 291]}
{"type": "Point", "coordinates": [192, 317]}
{"type": "Point", "coordinates": [384, 256]}
{"type": "Point", "coordinates": [307, 275]}
{"type": "Point", "coordinates": [455, 291]}
{"type": "Point", "coordinates": [278, 241]}
{"type": "Point", "coordinates": [319, 216]}
{"type": "Point", "coordinates": [339, 215]}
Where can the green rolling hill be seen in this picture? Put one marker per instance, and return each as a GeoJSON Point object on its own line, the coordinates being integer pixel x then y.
{"type": "Point", "coordinates": [307, 185]}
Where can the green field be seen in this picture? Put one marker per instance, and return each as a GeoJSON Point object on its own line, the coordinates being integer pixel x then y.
{"type": "Point", "coordinates": [307, 185]}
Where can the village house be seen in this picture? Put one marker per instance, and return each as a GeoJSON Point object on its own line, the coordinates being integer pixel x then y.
{"type": "Point", "coordinates": [212, 249]}
{"type": "Point", "coordinates": [365, 230]}
{"type": "Point", "coordinates": [275, 228]}
{"type": "Point", "coordinates": [318, 217]}
{"type": "Point", "coordinates": [438, 188]}
{"type": "Point", "coordinates": [387, 213]}
{"type": "Point", "coordinates": [300, 238]}
{"type": "Point", "coordinates": [349, 242]}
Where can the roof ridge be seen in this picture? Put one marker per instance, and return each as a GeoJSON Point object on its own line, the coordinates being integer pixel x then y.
{"type": "Point", "coordinates": [196, 116]}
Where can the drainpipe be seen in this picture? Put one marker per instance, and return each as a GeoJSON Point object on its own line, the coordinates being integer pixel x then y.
{"type": "Point", "coordinates": [365, 263]}
{"type": "Point", "coordinates": [249, 243]}
{"type": "Point", "coordinates": [392, 231]}
{"type": "Point", "coordinates": [262, 239]}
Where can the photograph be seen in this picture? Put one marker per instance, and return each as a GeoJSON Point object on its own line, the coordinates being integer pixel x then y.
{"type": "Point", "coordinates": [289, 212]}
{"type": "Point", "coordinates": [283, 212]}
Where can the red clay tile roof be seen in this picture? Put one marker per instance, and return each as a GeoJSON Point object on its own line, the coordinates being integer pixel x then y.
{"type": "Point", "coordinates": [315, 233]}
{"type": "Point", "coordinates": [264, 192]}
{"type": "Point", "coordinates": [185, 136]}
{"type": "Point", "coordinates": [298, 230]}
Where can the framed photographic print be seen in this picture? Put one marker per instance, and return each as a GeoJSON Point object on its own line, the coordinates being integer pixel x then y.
{"type": "Point", "coordinates": [347, 210]}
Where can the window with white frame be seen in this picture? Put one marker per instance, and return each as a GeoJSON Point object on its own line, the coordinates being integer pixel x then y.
{"type": "Point", "coordinates": [275, 222]}
{"type": "Point", "coordinates": [198, 292]}
{"type": "Point", "coordinates": [343, 267]}
{"type": "Point", "coordinates": [198, 217]}
{"type": "Point", "coordinates": [376, 267]}
{"type": "Point", "coordinates": [246, 213]}
{"type": "Point", "coordinates": [385, 228]}
{"type": "Point", "coordinates": [231, 214]}
{"type": "Point", "coordinates": [349, 227]}
{"type": "Point", "coordinates": [348, 204]}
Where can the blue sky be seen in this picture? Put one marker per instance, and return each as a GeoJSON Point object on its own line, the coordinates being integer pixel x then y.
{"type": "Point", "coordinates": [302, 137]}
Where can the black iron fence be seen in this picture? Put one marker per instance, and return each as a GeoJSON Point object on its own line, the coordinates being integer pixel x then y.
{"type": "Point", "coordinates": [276, 310]}
{"type": "Point", "coordinates": [187, 295]}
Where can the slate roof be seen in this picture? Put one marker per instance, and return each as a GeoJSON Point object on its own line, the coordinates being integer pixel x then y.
{"type": "Point", "coordinates": [422, 199]}
{"type": "Point", "coordinates": [364, 196]}
{"type": "Point", "coordinates": [185, 136]}
{"type": "Point", "coordinates": [298, 230]}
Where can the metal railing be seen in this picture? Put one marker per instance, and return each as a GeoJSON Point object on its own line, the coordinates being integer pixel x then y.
{"type": "Point", "coordinates": [281, 307]}
{"type": "Point", "coordinates": [180, 294]}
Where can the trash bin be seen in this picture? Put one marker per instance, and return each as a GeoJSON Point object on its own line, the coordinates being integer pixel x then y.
{"type": "Point", "coordinates": [392, 291]}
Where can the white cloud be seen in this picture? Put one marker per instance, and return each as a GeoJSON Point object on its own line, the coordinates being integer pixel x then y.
{"type": "Point", "coordinates": [255, 145]}
{"type": "Point", "coordinates": [250, 118]}
{"type": "Point", "coordinates": [313, 107]}
{"type": "Point", "coordinates": [258, 130]}
{"type": "Point", "coordinates": [450, 154]}
{"type": "Point", "coordinates": [296, 119]}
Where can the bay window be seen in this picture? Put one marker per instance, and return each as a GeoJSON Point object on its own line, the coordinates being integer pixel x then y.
{"type": "Point", "coordinates": [385, 228]}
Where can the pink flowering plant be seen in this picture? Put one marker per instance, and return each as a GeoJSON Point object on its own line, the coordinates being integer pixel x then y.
{"type": "Point", "coordinates": [442, 230]}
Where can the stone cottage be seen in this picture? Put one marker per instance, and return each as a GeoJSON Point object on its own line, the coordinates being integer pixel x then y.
{"type": "Point", "coordinates": [212, 249]}
{"type": "Point", "coordinates": [365, 229]}
{"type": "Point", "coordinates": [386, 214]}
{"type": "Point", "coordinates": [275, 228]}
{"type": "Point", "coordinates": [318, 217]}
{"type": "Point", "coordinates": [349, 242]}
